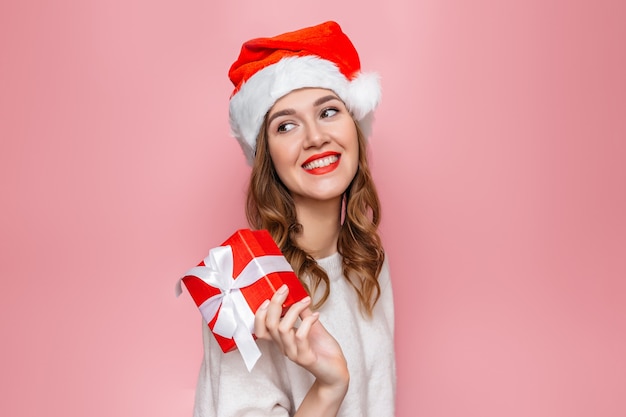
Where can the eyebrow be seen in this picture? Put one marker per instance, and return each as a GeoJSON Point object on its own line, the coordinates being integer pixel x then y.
{"type": "Point", "coordinates": [288, 112]}
{"type": "Point", "coordinates": [285, 112]}
{"type": "Point", "coordinates": [324, 99]}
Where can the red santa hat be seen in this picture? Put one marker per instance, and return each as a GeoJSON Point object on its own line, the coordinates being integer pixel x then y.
{"type": "Point", "coordinates": [320, 56]}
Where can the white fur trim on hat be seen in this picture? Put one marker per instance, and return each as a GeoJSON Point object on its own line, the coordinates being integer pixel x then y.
{"type": "Point", "coordinates": [256, 97]}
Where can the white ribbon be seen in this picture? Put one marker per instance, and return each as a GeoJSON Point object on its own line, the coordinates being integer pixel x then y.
{"type": "Point", "coordinates": [235, 318]}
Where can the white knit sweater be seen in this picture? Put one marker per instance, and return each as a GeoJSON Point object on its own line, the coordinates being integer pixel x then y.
{"type": "Point", "coordinates": [276, 386]}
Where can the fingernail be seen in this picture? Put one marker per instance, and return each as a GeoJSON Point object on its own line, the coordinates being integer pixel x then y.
{"type": "Point", "coordinates": [305, 300]}
{"type": "Point", "coordinates": [264, 305]}
{"type": "Point", "coordinates": [283, 289]}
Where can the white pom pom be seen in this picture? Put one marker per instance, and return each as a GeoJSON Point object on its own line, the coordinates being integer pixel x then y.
{"type": "Point", "coordinates": [363, 95]}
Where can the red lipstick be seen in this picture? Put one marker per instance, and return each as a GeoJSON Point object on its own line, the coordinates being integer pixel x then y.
{"type": "Point", "coordinates": [319, 156]}
{"type": "Point", "coordinates": [322, 163]}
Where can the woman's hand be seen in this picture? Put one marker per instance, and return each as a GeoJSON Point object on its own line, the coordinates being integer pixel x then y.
{"type": "Point", "coordinates": [309, 345]}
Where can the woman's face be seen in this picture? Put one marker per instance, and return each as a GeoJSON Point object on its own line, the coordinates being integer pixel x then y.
{"type": "Point", "coordinates": [313, 144]}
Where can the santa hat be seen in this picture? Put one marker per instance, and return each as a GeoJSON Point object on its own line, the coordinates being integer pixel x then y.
{"type": "Point", "coordinates": [320, 56]}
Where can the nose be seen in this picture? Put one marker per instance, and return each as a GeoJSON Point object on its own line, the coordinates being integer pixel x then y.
{"type": "Point", "coordinates": [316, 136]}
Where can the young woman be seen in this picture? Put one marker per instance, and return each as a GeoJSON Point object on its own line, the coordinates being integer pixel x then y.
{"type": "Point", "coordinates": [301, 111]}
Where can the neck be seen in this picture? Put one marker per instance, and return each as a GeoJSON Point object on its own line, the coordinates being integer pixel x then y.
{"type": "Point", "coordinates": [321, 223]}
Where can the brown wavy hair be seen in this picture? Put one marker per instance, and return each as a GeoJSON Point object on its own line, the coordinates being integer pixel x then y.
{"type": "Point", "coordinates": [270, 206]}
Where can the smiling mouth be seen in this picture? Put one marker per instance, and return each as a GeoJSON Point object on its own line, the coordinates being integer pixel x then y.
{"type": "Point", "coordinates": [322, 162]}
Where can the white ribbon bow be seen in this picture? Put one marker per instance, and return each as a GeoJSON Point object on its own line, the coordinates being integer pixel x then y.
{"type": "Point", "coordinates": [235, 318]}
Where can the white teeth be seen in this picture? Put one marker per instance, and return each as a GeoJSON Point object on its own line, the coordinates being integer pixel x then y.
{"type": "Point", "coordinates": [322, 162]}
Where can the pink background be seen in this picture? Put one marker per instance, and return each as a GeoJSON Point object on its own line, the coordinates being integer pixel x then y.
{"type": "Point", "coordinates": [499, 150]}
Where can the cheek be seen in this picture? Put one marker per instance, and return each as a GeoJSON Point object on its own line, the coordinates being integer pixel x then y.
{"type": "Point", "coordinates": [354, 159]}
{"type": "Point", "coordinates": [280, 161]}
{"type": "Point", "coordinates": [282, 153]}
{"type": "Point", "coordinates": [354, 168]}
{"type": "Point", "coordinates": [274, 152]}
{"type": "Point", "coordinates": [352, 145]}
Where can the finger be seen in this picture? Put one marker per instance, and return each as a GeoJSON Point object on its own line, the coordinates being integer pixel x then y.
{"type": "Point", "coordinates": [302, 338]}
{"type": "Point", "coordinates": [305, 313]}
{"type": "Point", "coordinates": [287, 329]}
{"type": "Point", "coordinates": [305, 327]}
{"type": "Point", "coordinates": [291, 316]}
{"type": "Point", "coordinates": [275, 308]}
{"type": "Point", "coordinates": [274, 313]}
{"type": "Point", "coordinates": [260, 330]}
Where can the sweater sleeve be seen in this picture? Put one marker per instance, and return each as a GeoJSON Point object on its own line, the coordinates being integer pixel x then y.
{"type": "Point", "coordinates": [386, 310]}
{"type": "Point", "coordinates": [386, 295]}
{"type": "Point", "coordinates": [225, 388]}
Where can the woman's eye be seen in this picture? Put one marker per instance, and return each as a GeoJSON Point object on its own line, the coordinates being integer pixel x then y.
{"type": "Point", "coordinates": [329, 112]}
{"type": "Point", "coordinates": [285, 127]}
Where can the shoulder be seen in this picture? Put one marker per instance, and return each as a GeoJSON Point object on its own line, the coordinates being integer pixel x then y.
{"type": "Point", "coordinates": [384, 277]}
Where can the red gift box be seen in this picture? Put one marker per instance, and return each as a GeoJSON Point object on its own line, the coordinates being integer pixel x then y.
{"type": "Point", "coordinates": [230, 284]}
